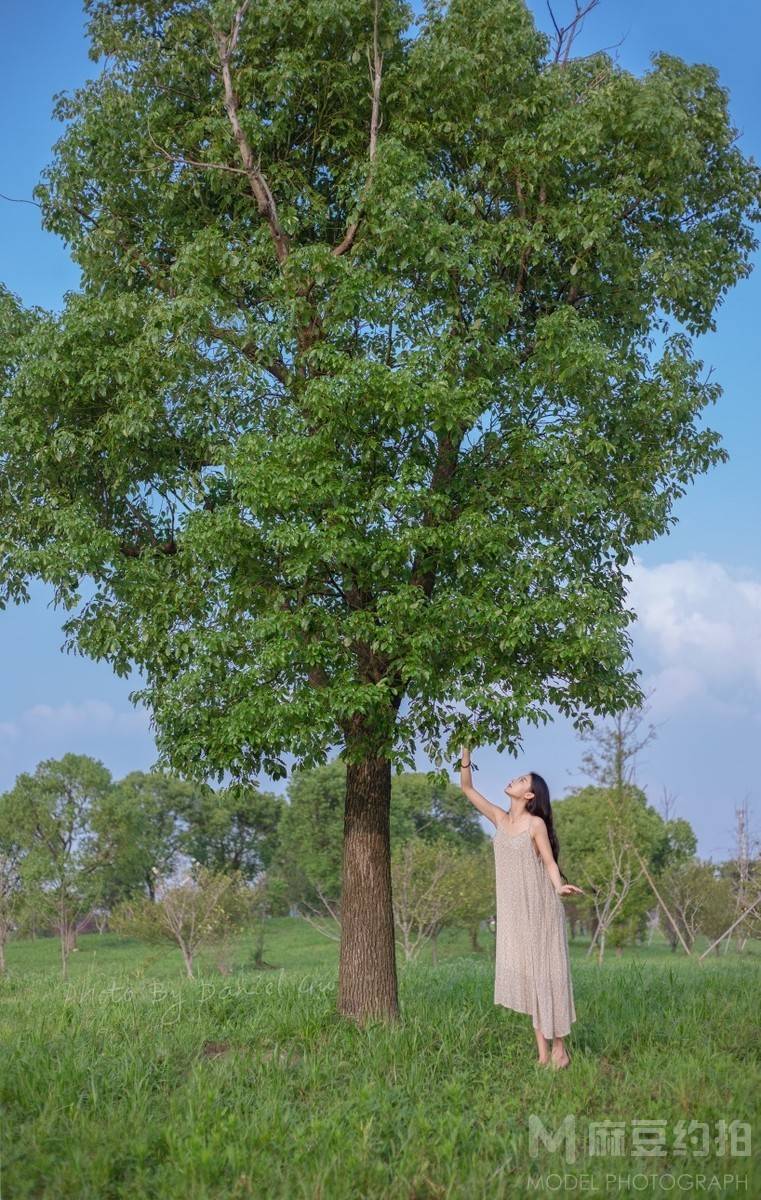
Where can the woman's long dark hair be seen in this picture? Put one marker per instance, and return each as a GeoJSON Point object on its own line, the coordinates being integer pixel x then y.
{"type": "Point", "coordinates": [540, 806]}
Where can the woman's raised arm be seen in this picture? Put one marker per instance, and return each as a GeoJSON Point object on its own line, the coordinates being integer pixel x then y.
{"type": "Point", "coordinates": [492, 811]}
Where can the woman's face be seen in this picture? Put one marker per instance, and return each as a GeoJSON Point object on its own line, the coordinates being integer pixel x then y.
{"type": "Point", "coordinates": [520, 787]}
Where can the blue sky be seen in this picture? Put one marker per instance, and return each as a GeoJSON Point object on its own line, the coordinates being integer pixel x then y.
{"type": "Point", "coordinates": [697, 591]}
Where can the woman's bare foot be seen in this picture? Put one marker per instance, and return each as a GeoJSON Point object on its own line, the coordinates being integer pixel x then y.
{"type": "Point", "coordinates": [560, 1056]}
{"type": "Point", "coordinates": [543, 1047]}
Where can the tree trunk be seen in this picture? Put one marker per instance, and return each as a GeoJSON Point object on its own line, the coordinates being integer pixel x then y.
{"type": "Point", "coordinates": [259, 947]}
{"type": "Point", "coordinates": [601, 947]}
{"type": "Point", "coordinates": [63, 933]}
{"type": "Point", "coordinates": [474, 942]}
{"type": "Point", "coordinates": [367, 984]}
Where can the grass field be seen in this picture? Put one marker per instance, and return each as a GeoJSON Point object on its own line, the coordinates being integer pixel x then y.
{"type": "Point", "coordinates": [130, 1081]}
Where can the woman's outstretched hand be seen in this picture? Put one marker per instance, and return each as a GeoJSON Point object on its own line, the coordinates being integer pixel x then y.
{"type": "Point", "coordinates": [469, 764]}
{"type": "Point", "coordinates": [569, 889]}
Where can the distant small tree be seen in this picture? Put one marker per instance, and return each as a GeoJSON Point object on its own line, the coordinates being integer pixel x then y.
{"type": "Point", "coordinates": [425, 893]}
{"type": "Point", "coordinates": [308, 855]}
{"type": "Point", "coordinates": [201, 909]}
{"type": "Point", "coordinates": [744, 871]}
{"type": "Point", "coordinates": [626, 930]}
{"type": "Point", "coordinates": [51, 812]}
{"type": "Point", "coordinates": [718, 907]}
{"type": "Point", "coordinates": [472, 883]}
{"type": "Point", "coordinates": [611, 763]}
{"type": "Point", "coordinates": [266, 901]}
{"type": "Point", "coordinates": [678, 844]}
{"type": "Point", "coordinates": [600, 833]}
{"type": "Point", "coordinates": [232, 828]}
{"type": "Point", "coordinates": [32, 918]}
{"type": "Point", "coordinates": [685, 886]}
{"type": "Point", "coordinates": [10, 889]}
{"type": "Point", "coordinates": [611, 758]}
{"type": "Point", "coordinates": [609, 888]}
{"type": "Point", "coordinates": [424, 806]}
{"type": "Point", "coordinates": [136, 829]}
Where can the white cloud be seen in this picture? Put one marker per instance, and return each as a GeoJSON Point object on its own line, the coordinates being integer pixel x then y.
{"type": "Point", "coordinates": [91, 716]}
{"type": "Point", "coordinates": [698, 634]}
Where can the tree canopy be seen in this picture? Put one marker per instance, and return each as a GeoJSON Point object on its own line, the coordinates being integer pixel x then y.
{"type": "Point", "coordinates": [359, 401]}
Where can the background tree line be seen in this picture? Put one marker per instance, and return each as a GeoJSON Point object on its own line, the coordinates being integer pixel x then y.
{"type": "Point", "coordinates": [161, 858]}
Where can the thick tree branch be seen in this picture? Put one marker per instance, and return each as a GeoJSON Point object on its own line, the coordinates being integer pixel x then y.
{"type": "Point", "coordinates": [376, 68]}
{"type": "Point", "coordinates": [443, 474]}
{"type": "Point", "coordinates": [226, 45]}
{"type": "Point", "coordinates": [520, 282]}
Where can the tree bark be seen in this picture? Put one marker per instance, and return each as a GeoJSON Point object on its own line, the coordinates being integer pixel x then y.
{"type": "Point", "coordinates": [63, 934]}
{"type": "Point", "coordinates": [187, 958]}
{"type": "Point", "coordinates": [367, 983]}
{"type": "Point", "coordinates": [601, 947]}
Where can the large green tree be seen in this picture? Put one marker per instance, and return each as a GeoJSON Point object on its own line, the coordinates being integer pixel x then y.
{"type": "Point", "coordinates": [380, 366]}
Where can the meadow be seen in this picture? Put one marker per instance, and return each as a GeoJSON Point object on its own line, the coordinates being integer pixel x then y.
{"type": "Point", "coordinates": [128, 1080]}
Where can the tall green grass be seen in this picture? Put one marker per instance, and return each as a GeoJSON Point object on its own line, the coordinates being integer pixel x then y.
{"type": "Point", "coordinates": [128, 1080]}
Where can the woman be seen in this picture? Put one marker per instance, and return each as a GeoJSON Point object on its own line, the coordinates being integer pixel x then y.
{"type": "Point", "coordinates": [532, 971]}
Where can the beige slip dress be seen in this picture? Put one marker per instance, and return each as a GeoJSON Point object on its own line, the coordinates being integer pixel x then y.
{"type": "Point", "coordinates": [532, 971]}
